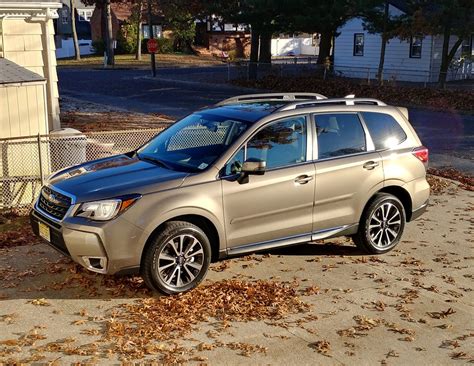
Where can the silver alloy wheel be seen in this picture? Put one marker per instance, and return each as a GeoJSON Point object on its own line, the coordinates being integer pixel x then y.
{"type": "Point", "coordinates": [384, 225]}
{"type": "Point", "coordinates": [180, 260]}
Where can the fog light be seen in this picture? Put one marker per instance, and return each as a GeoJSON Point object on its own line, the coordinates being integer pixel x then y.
{"type": "Point", "coordinates": [96, 264]}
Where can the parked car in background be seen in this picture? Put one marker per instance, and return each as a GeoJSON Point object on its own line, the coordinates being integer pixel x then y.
{"type": "Point", "coordinates": [251, 173]}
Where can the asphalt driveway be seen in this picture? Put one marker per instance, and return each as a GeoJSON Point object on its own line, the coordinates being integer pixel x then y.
{"type": "Point", "coordinates": [179, 91]}
{"type": "Point", "coordinates": [304, 305]}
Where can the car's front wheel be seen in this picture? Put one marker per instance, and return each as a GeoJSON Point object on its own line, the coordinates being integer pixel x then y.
{"type": "Point", "coordinates": [177, 258]}
{"type": "Point", "coordinates": [382, 224]}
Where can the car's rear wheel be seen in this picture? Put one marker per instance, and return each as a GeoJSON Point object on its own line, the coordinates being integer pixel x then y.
{"type": "Point", "coordinates": [177, 258]}
{"type": "Point", "coordinates": [382, 224]}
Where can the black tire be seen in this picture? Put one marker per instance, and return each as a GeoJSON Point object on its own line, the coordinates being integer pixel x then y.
{"type": "Point", "coordinates": [163, 245]}
{"type": "Point", "coordinates": [366, 238]}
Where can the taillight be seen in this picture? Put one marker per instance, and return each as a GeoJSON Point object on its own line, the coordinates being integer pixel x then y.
{"type": "Point", "coordinates": [421, 153]}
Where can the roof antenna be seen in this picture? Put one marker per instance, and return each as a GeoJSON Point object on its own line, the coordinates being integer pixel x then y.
{"type": "Point", "coordinates": [351, 96]}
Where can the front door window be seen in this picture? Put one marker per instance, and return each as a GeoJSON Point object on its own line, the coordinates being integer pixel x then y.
{"type": "Point", "coordinates": [279, 144]}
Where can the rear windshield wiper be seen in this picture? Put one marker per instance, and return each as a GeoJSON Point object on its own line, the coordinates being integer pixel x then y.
{"type": "Point", "coordinates": [154, 160]}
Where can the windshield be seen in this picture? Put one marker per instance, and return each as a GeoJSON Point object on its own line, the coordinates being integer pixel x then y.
{"type": "Point", "coordinates": [193, 143]}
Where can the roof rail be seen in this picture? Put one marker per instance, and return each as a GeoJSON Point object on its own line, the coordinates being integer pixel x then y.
{"type": "Point", "coordinates": [271, 96]}
{"type": "Point", "coordinates": [336, 101]}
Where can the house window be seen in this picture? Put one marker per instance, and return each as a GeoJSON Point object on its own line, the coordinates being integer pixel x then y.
{"type": "Point", "coordinates": [466, 48]}
{"type": "Point", "coordinates": [359, 44]}
{"type": "Point", "coordinates": [157, 31]}
{"type": "Point", "coordinates": [415, 46]}
{"type": "Point", "coordinates": [64, 16]}
{"type": "Point", "coordinates": [84, 15]}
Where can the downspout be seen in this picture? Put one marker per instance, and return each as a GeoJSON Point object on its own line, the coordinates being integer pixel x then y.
{"type": "Point", "coordinates": [3, 17]}
{"type": "Point", "coordinates": [55, 123]}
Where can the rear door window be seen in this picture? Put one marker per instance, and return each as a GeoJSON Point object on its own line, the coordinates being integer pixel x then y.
{"type": "Point", "coordinates": [339, 134]}
{"type": "Point", "coordinates": [384, 130]}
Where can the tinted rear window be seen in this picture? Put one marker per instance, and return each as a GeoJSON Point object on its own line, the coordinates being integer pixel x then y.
{"type": "Point", "coordinates": [384, 130]}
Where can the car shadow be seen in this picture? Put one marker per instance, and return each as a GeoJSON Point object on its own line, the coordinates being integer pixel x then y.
{"type": "Point", "coordinates": [318, 249]}
{"type": "Point", "coordinates": [39, 272]}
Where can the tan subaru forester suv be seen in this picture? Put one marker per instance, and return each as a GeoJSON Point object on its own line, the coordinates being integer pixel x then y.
{"type": "Point", "coordinates": [251, 173]}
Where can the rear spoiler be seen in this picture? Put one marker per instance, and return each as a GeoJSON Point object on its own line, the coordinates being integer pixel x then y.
{"type": "Point", "coordinates": [404, 111]}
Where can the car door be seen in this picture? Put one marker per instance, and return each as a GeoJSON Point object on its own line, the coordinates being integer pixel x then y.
{"type": "Point", "coordinates": [276, 205]}
{"type": "Point", "coordinates": [348, 170]}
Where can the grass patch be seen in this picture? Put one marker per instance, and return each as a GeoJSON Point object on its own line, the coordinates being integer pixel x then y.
{"type": "Point", "coordinates": [129, 61]}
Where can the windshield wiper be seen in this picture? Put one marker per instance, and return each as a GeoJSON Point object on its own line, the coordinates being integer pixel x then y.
{"type": "Point", "coordinates": [154, 160]}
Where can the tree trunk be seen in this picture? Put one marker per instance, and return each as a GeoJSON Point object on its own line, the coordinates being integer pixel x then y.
{"type": "Point", "coordinates": [324, 47]}
{"type": "Point", "coordinates": [443, 72]}
{"type": "Point", "coordinates": [384, 44]}
{"type": "Point", "coordinates": [109, 41]}
{"type": "Point", "coordinates": [138, 54]}
{"type": "Point", "coordinates": [77, 51]}
{"type": "Point", "coordinates": [265, 56]}
{"type": "Point", "coordinates": [382, 60]}
{"type": "Point", "coordinates": [444, 57]}
{"type": "Point", "coordinates": [254, 46]}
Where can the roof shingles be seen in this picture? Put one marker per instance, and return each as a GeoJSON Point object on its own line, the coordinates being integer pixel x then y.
{"type": "Point", "coordinates": [11, 73]}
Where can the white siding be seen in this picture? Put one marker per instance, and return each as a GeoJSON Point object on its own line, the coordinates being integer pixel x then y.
{"type": "Point", "coordinates": [22, 110]}
{"type": "Point", "coordinates": [295, 45]}
{"type": "Point", "coordinates": [67, 48]}
{"type": "Point", "coordinates": [25, 45]}
{"type": "Point", "coordinates": [398, 64]}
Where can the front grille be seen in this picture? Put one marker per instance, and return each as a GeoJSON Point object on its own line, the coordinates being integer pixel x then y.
{"type": "Point", "coordinates": [53, 203]}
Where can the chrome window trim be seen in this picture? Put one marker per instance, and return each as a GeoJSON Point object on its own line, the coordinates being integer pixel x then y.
{"type": "Point", "coordinates": [345, 156]}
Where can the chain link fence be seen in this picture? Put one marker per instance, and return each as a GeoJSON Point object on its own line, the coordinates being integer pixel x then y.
{"type": "Point", "coordinates": [25, 162]}
{"type": "Point", "coordinates": [307, 66]}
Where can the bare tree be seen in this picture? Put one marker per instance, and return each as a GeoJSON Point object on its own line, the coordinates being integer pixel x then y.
{"type": "Point", "coordinates": [77, 51]}
{"type": "Point", "coordinates": [139, 9]}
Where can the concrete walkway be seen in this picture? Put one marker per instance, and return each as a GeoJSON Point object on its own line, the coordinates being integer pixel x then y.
{"type": "Point", "coordinates": [412, 306]}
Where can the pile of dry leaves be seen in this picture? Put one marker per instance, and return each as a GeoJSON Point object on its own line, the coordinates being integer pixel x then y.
{"type": "Point", "coordinates": [86, 121]}
{"type": "Point", "coordinates": [137, 329]}
{"type": "Point", "coordinates": [15, 231]}
{"type": "Point", "coordinates": [398, 95]}
{"type": "Point", "coordinates": [466, 180]}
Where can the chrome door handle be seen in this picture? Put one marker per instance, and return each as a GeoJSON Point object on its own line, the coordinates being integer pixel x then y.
{"type": "Point", "coordinates": [370, 165]}
{"type": "Point", "coordinates": [303, 179]}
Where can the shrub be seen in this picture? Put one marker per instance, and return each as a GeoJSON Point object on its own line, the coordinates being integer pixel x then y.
{"type": "Point", "coordinates": [127, 38]}
{"type": "Point", "coordinates": [99, 47]}
{"type": "Point", "coordinates": [165, 45]}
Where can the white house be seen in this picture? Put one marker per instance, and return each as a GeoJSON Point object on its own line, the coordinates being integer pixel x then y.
{"type": "Point", "coordinates": [63, 26]}
{"type": "Point", "coordinates": [295, 45]}
{"type": "Point", "coordinates": [27, 42]}
{"type": "Point", "coordinates": [357, 54]}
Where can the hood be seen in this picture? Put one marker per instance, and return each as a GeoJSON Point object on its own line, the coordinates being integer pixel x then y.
{"type": "Point", "coordinates": [115, 176]}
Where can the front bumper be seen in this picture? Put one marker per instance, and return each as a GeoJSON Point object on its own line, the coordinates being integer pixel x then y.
{"type": "Point", "coordinates": [106, 248]}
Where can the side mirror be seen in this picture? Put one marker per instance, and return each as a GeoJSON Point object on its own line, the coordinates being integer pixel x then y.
{"type": "Point", "coordinates": [251, 166]}
{"type": "Point", "coordinates": [254, 166]}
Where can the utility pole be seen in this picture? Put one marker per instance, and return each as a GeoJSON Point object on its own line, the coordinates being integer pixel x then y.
{"type": "Point", "coordinates": [152, 54]}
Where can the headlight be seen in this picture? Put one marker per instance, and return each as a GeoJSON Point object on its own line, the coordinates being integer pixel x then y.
{"type": "Point", "coordinates": [106, 209]}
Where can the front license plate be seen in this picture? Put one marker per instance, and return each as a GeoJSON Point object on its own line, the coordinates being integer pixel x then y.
{"type": "Point", "coordinates": [44, 231]}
